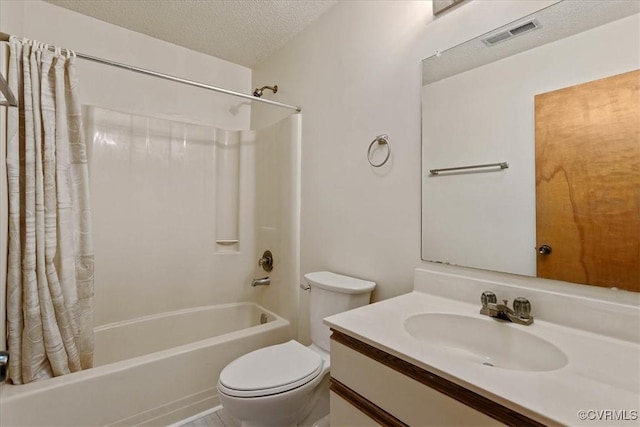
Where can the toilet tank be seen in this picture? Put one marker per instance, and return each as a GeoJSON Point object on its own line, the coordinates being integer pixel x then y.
{"type": "Point", "coordinates": [333, 293]}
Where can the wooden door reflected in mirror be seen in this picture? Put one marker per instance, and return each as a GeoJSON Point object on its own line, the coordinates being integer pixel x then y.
{"type": "Point", "coordinates": [588, 182]}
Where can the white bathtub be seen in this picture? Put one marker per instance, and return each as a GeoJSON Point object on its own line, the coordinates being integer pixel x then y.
{"type": "Point", "coordinates": [149, 371]}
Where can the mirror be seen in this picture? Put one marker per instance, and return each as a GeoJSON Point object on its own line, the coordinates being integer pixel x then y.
{"type": "Point", "coordinates": [482, 104]}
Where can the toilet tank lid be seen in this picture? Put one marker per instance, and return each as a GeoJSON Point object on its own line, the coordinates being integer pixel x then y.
{"type": "Point", "coordinates": [339, 283]}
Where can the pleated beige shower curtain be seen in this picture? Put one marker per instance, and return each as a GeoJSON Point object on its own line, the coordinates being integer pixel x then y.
{"type": "Point", "coordinates": [50, 260]}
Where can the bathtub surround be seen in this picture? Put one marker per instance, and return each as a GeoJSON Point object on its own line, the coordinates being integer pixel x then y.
{"type": "Point", "coordinates": [50, 256]}
{"type": "Point", "coordinates": [182, 189]}
{"type": "Point", "coordinates": [277, 214]}
{"type": "Point", "coordinates": [163, 176]}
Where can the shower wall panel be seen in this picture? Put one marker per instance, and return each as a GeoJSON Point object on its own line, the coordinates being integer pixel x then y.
{"type": "Point", "coordinates": [277, 201]}
{"type": "Point", "coordinates": [227, 166]}
{"type": "Point", "coordinates": [154, 198]}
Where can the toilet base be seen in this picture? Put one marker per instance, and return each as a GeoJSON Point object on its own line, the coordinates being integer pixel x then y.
{"type": "Point", "coordinates": [320, 404]}
{"type": "Point", "coordinates": [303, 408]}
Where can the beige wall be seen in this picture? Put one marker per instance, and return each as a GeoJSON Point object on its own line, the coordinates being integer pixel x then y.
{"type": "Point", "coordinates": [356, 72]}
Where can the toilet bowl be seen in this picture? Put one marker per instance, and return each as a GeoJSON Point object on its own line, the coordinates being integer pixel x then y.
{"type": "Point", "coordinates": [288, 384]}
{"type": "Point", "coordinates": [277, 385]}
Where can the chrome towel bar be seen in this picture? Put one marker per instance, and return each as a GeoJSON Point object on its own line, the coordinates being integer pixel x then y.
{"type": "Point", "coordinates": [501, 165]}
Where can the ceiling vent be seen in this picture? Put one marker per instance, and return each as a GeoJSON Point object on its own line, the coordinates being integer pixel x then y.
{"type": "Point", "coordinates": [518, 30]}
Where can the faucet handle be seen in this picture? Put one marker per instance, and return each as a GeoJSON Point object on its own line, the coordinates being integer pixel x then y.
{"type": "Point", "coordinates": [522, 307]}
{"type": "Point", "coordinates": [266, 262]}
{"type": "Point", "coordinates": [488, 297]}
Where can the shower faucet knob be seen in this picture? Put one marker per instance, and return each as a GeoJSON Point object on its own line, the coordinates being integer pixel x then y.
{"type": "Point", "coordinates": [266, 262]}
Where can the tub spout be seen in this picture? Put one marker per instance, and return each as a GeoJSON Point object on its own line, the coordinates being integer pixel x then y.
{"type": "Point", "coordinates": [261, 282]}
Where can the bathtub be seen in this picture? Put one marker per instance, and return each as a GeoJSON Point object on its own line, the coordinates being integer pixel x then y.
{"type": "Point", "coordinates": [154, 370]}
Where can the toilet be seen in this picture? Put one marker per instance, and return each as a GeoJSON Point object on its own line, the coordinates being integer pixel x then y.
{"type": "Point", "coordinates": [288, 384]}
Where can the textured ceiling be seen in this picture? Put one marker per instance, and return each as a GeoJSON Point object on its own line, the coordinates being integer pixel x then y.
{"type": "Point", "coordinates": [241, 31]}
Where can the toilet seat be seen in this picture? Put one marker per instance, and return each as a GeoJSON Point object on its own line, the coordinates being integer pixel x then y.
{"type": "Point", "coordinates": [270, 370]}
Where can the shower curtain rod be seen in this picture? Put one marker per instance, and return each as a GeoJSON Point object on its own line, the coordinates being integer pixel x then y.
{"type": "Point", "coordinates": [5, 37]}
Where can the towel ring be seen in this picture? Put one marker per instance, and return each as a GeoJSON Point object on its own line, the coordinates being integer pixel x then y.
{"type": "Point", "coordinates": [381, 140]}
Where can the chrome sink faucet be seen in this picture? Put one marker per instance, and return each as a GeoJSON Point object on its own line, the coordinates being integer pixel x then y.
{"type": "Point", "coordinates": [520, 314]}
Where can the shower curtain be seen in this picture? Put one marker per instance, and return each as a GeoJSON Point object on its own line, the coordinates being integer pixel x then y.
{"type": "Point", "coordinates": [50, 259]}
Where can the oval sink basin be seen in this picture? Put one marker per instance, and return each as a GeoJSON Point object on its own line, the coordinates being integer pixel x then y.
{"type": "Point", "coordinates": [487, 342]}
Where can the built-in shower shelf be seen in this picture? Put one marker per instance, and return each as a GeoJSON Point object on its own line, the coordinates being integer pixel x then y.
{"type": "Point", "coordinates": [226, 242]}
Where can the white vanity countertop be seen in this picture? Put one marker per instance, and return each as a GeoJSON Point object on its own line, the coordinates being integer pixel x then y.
{"type": "Point", "coordinates": [602, 373]}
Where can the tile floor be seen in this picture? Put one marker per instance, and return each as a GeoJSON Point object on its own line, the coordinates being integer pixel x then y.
{"type": "Point", "coordinates": [220, 418]}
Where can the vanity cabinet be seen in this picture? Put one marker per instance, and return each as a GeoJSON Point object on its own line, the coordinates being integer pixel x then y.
{"type": "Point", "coordinates": [372, 387]}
